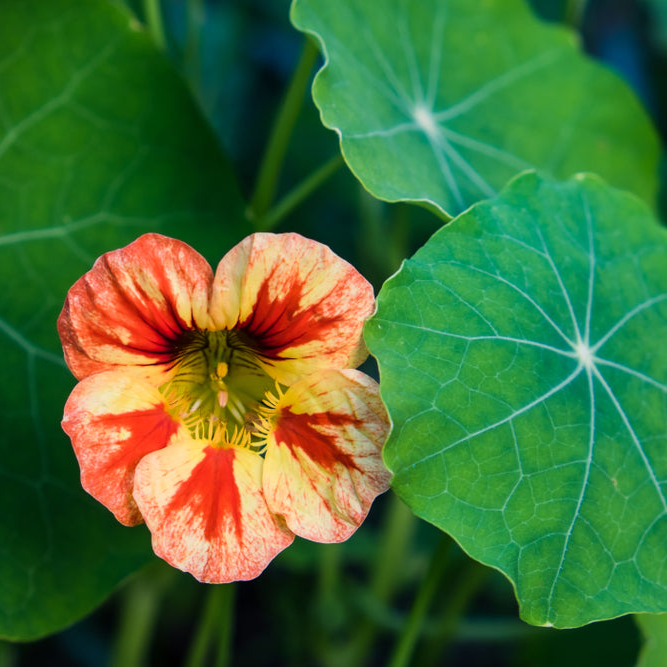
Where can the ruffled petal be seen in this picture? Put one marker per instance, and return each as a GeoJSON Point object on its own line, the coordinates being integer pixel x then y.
{"type": "Point", "coordinates": [133, 307]}
{"type": "Point", "coordinates": [206, 512]}
{"type": "Point", "coordinates": [114, 419]}
{"type": "Point", "coordinates": [323, 466]}
{"type": "Point", "coordinates": [301, 305]}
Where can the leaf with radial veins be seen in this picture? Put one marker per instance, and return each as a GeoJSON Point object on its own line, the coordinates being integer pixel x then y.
{"type": "Point", "coordinates": [100, 141]}
{"type": "Point", "coordinates": [523, 363]}
{"type": "Point", "coordinates": [443, 101]}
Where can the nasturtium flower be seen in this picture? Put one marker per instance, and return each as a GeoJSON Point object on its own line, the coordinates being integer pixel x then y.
{"type": "Point", "coordinates": [224, 409]}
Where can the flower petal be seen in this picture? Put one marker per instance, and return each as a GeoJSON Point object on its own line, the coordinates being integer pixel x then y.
{"type": "Point", "coordinates": [205, 509]}
{"type": "Point", "coordinates": [114, 419]}
{"type": "Point", "coordinates": [301, 304]}
{"type": "Point", "coordinates": [323, 466]}
{"type": "Point", "coordinates": [133, 305]}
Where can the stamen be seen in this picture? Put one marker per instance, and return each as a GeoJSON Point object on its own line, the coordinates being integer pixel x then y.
{"type": "Point", "coordinates": [218, 378]}
{"type": "Point", "coordinates": [265, 415]}
{"type": "Point", "coordinates": [238, 438]}
{"type": "Point", "coordinates": [271, 400]}
{"type": "Point", "coordinates": [236, 408]}
{"type": "Point", "coordinates": [195, 406]}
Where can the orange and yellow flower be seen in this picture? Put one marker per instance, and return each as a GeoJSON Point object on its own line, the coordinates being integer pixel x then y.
{"type": "Point", "coordinates": [224, 409]}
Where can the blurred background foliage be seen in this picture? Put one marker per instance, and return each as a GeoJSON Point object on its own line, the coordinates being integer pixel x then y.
{"type": "Point", "coordinates": [341, 604]}
{"type": "Point", "coordinates": [238, 58]}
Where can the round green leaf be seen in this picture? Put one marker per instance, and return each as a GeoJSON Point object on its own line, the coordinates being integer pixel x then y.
{"type": "Point", "coordinates": [523, 363]}
{"type": "Point", "coordinates": [443, 101]}
{"type": "Point", "coordinates": [99, 142]}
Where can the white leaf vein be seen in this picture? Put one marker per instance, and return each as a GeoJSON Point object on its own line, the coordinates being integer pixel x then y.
{"type": "Point", "coordinates": [513, 415]}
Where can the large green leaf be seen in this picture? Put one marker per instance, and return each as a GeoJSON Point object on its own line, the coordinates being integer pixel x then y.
{"type": "Point", "coordinates": [99, 142]}
{"type": "Point", "coordinates": [523, 362]}
{"type": "Point", "coordinates": [442, 101]}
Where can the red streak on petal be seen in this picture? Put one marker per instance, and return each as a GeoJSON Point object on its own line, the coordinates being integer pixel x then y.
{"type": "Point", "coordinates": [109, 448]}
{"type": "Point", "coordinates": [275, 325]}
{"type": "Point", "coordinates": [150, 430]}
{"type": "Point", "coordinates": [305, 432]}
{"type": "Point", "coordinates": [211, 492]}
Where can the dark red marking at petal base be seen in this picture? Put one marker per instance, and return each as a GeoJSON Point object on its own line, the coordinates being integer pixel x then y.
{"type": "Point", "coordinates": [305, 432]}
{"type": "Point", "coordinates": [275, 325]}
{"type": "Point", "coordinates": [161, 318]}
{"type": "Point", "coordinates": [110, 308]}
{"type": "Point", "coordinates": [212, 492]}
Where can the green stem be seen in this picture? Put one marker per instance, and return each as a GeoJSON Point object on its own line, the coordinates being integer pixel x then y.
{"type": "Point", "coordinates": [298, 194]}
{"type": "Point", "coordinates": [399, 236]}
{"type": "Point", "coordinates": [574, 13]}
{"type": "Point", "coordinates": [9, 656]}
{"type": "Point", "coordinates": [139, 611]}
{"type": "Point", "coordinates": [269, 171]}
{"type": "Point", "coordinates": [401, 523]}
{"type": "Point", "coordinates": [216, 626]}
{"type": "Point", "coordinates": [408, 639]}
{"type": "Point", "coordinates": [195, 16]}
{"type": "Point", "coordinates": [153, 14]}
{"type": "Point", "coordinates": [397, 535]}
{"type": "Point", "coordinates": [467, 584]}
{"type": "Point", "coordinates": [329, 573]}
{"type": "Point", "coordinates": [330, 610]}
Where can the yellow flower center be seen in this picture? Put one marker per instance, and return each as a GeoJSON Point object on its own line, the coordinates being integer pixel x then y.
{"type": "Point", "coordinates": [219, 381]}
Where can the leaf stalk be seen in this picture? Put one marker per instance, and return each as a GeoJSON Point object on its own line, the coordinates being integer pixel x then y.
{"type": "Point", "coordinates": [274, 155]}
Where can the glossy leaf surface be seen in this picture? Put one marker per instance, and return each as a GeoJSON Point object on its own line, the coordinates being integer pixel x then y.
{"type": "Point", "coordinates": [99, 142]}
{"type": "Point", "coordinates": [443, 101]}
{"type": "Point", "coordinates": [523, 364]}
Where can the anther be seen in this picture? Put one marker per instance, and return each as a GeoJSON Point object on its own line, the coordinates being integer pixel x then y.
{"type": "Point", "coordinates": [223, 397]}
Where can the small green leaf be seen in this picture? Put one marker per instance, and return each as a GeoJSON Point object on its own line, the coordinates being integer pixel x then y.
{"type": "Point", "coordinates": [523, 363]}
{"type": "Point", "coordinates": [654, 629]}
{"type": "Point", "coordinates": [99, 142]}
{"type": "Point", "coordinates": [443, 101]}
